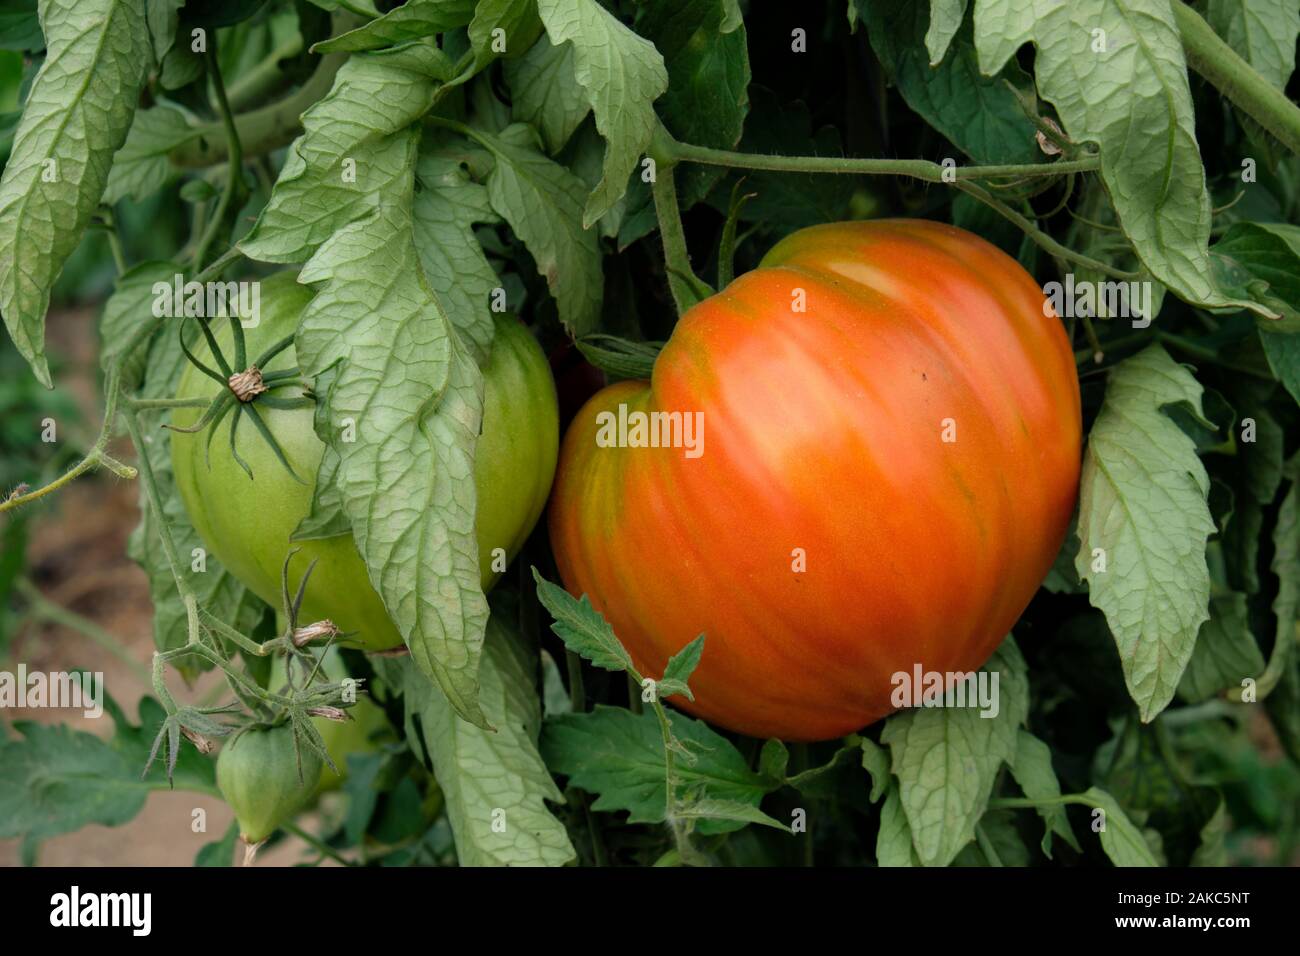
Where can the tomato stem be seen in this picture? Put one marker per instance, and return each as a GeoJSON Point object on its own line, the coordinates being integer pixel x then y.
{"type": "Point", "coordinates": [1236, 79]}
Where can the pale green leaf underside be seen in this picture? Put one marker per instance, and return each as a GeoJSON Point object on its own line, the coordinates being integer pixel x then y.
{"type": "Point", "coordinates": [75, 118]}
{"type": "Point", "coordinates": [495, 783]}
{"type": "Point", "coordinates": [1143, 501]}
{"type": "Point", "coordinates": [622, 75]}
{"type": "Point", "coordinates": [946, 760]}
{"type": "Point", "coordinates": [545, 94]}
{"type": "Point", "coordinates": [1032, 769]}
{"type": "Point", "coordinates": [1263, 32]}
{"type": "Point", "coordinates": [1115, 71]}
{"type": "Point", "coordinates": [1225, 651]}
{"type": "Point", "coordinates": [945, 20]}
{"type": "Point", "coordinates": [444, 213]}
{"type": "Point", "coordinates": [542, 202]}
{"type": "Point", "coordinates": [413, 20]}
{"type": "Point", "coordinates": [400, 382]}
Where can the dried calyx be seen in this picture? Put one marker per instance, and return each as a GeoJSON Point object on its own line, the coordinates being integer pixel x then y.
{"type": "Point", "coordinates": [248, 384]}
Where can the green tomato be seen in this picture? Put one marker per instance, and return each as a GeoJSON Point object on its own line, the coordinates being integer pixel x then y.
{"type": "Point", "coordinates": [367, 729]}
{"type": "Point", "coordinates": [257, 774]}
{"type": "Point", "coordinates": [246, 522]}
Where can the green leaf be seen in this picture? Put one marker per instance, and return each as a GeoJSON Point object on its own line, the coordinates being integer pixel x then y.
{"type": "Point", "coordinates": [141, 166]}
{"type": "Point", "coordinates": [360, 128]}
{"type": "Point", "coordinates": [1143, 502]}
{"type": "Point", "coordinates": [377, 320]}
{"type": "Point", "coordinates": [875, 761]}
{"type": "Point", "coordinates": [219, 852]}
{"type": "Point", "coordinates": [495, 783]}
{"type": "Point", "coordinates": [582, 628]}
{"type": "Point", "coordinates": [1115, 71]}
{"type": "Point", "coordinates": [1270, 252]}
{"type": "Point", "coordinates": [1032, 769]}
{"type": "Point", "coordinates": [1212, 850]}
{"type": "Point", "coordinates": [545, 94]}
{"type": "Point", "coordinates": [976, 113]}
{"type": "Point", "coordinates": [542, 202]}
{"type": "Point", "coordinates": [413, 20]}
{"type": "Point", "coordinates": [945, 20]}
{"type": "Point", "coordinates": [773, 760]}
{"type": "Point", "coordinates": [1122, 841]}
{"type": "Point", "coordinates": [1283, 703]}
{"type": "Point", "coordinates": [946, 759]}
{"type": "Point", "coordinates": [682, 664]}
{"type": "Point", "coordinates": [447, 206]}
{"type": "Point", "coordinates": [894, 839]}
{"type": "Point", "coordinates": [517, 22]}
{"type": "Point", "coordinates": [76, 116]}
{"type": "Point", "coordinates": [729, 811]}
{"type": "Point", "coordinates": [57, 780]}
{"type": "Point", "coordinates": [1263, 32]}
{"type": "Point", "coordinates": [1225, 653]}
{"type": "Point", "coordinates": [999, 843]}
{"type": "Point", "coordinates": [128, 310]}
{"type": "Point", "coordinates": [1062, 578]}
{"type": "Point", "coordinates": [20, 27]}
{"type": "Point", "coordinates": [708, 81]}
{"type": "Point", "coordinates": [406, 481]}
{"type": "Point", "coordinates": [162, 16]}
{"type": "Point", "coordinates": [622, 75]}
{"type": "Point", "coordinates": [619, 357]}
{"type": "Point", "coordinates": [619, 756]}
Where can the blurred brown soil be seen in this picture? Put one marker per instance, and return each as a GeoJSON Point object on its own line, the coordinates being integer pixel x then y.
{"type": "Point", "coordinates": [77, 558]}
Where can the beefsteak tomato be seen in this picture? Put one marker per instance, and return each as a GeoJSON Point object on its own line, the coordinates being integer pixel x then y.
{"type": "Point", "coordinates": [885, 460]}
{"type": "Point", "coordinates": [247, 521]}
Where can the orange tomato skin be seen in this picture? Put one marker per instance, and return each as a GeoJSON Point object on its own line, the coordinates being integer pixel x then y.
{"type": "Point", "coordinates": [824, 437]}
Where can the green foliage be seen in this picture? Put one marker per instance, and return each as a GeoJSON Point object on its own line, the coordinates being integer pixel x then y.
{"type": "Point", "coordinates": [426, 164]}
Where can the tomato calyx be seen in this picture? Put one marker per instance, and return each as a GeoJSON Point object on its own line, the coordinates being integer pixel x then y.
{"type": "Point", "coordinates": [242, 390]}
{"type": "Point", "coordinates": [248, 384]}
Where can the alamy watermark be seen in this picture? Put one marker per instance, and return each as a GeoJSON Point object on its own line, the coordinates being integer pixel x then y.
{"type": "Point", "coordinates": [638, 429]}
{"type": "Point", "coordinates": [205, 300]}
{"type": "Point", "coordinates": [75, 908]}
{"type": "Point", "coordinates": [1104, 300]}
{"type": "Point", "coordinates": [57, 690]}
{"type": "Point", "coordinates": [922, 688]}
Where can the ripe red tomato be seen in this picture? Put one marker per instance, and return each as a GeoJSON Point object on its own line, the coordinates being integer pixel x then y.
{"type": "Point", "coordinates": [885, 477]}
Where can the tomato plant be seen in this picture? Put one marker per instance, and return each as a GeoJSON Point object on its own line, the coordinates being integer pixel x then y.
{"type": "Point", "coordinates": [887, 483]}
{"type": "Point", "coordinates": [246, 504]}
{"type": "Point", "coordinates": [929, 373]}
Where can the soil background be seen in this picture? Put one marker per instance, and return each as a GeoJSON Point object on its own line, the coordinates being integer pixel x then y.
{"type": "Point", "coordinates": [77, 558]}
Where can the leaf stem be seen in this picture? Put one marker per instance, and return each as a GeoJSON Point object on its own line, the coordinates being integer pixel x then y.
{"type": "Point", "coordinates": [921, 169]}
{"type": "Point", "coordinates": [235, 159]}
{"type": "Point", "coordinates": [316, 843]}
{"type": "Point", "coordinates": [263, 130]}
{"type": "Point", "coordinates": [1042, 239]}
{"type": "Point", "coordinates": [1236, 79]}
{"type": "Point", "coordinates": [577, 694]}
{"type": "Point", "coordinates": [95, 457]}
{"type": "Point", "coordinates": [677, 259]}
{"type": "Point", "coordinates": [146, 404]}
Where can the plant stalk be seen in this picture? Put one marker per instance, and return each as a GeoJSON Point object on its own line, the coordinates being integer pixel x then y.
{"type": "Point", "coordinates": [1236, 79]}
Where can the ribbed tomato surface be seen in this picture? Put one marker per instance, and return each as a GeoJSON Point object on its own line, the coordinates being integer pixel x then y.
{"type": "Point", "coordinates": [884, 480]}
